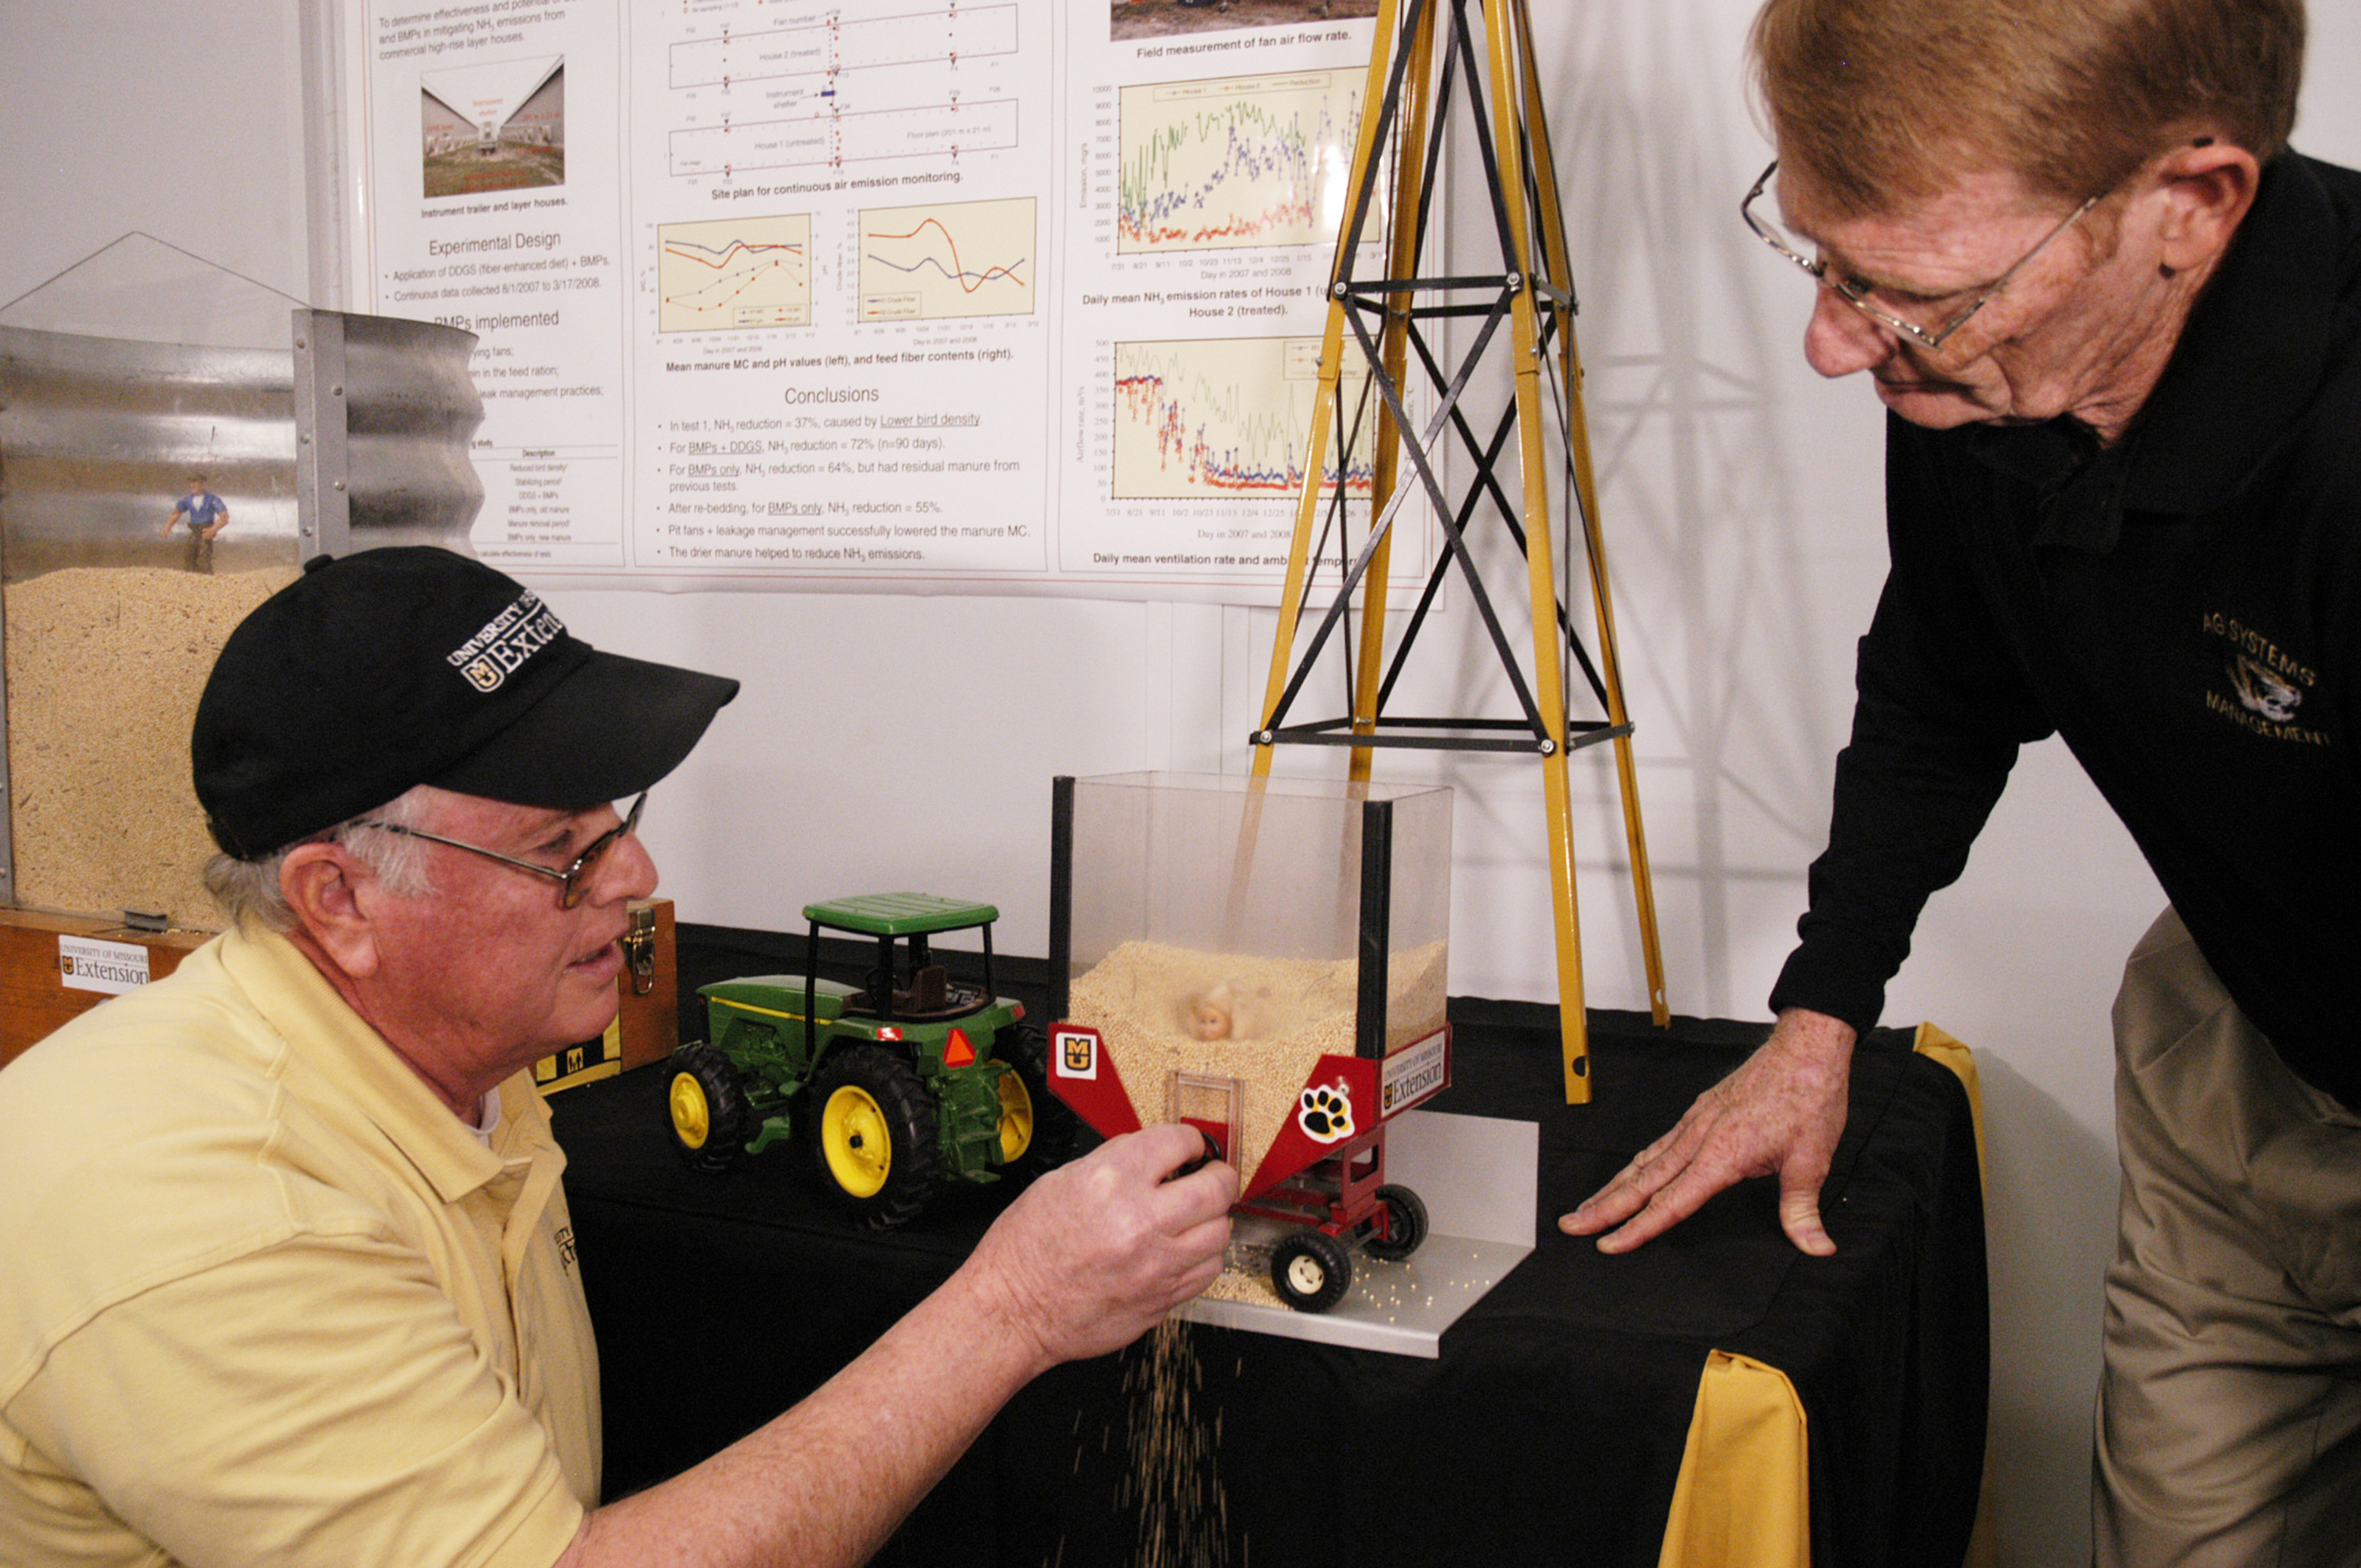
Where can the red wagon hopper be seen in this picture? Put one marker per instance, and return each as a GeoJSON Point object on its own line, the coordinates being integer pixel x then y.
{"type": "Point", "coordinates": [1265, 959]}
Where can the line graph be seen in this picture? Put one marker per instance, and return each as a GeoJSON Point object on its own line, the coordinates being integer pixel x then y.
{"type": "Point", "coordinates": [1234, 161]}
{"type": "Point", "coordinates": [1218, 417]}
{"type": "Point", "coordinates": [720, 273]}
{"type": "Point", "coordinates": [942, 260]}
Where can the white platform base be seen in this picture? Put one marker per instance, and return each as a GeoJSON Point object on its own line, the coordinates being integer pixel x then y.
{"type": "Point", "coordinates": [1477, 1175]}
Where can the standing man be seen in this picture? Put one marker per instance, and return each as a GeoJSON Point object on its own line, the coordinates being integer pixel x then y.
{"type": "Point", "coordinates": [206, 515]}
{"type": "Point", "coordinates": [289, 1278]}
{"type": "Point", "coordinates": [2117, 326]}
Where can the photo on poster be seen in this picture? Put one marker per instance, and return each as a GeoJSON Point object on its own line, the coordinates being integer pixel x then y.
{"type": "Point", "coordinates": [1236, 162]}
{"type": "Point", "coordinates": [495, 127]}
{"type": "Point", "coordinates": [946, 261]}
{"type": "Point", "coordinates": [1159, 19]}
{"type": "Point", "coordinates": [1223, 418]}
{"type": "Point", "coordinates": [719, 274]}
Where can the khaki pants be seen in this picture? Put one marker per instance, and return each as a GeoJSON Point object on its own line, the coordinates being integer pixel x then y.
{"type": "Point", "coordinates": [2229, 1422]}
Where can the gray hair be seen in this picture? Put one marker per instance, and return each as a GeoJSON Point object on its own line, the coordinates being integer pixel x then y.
{"type": "Point", "coordinates": [249, 889]}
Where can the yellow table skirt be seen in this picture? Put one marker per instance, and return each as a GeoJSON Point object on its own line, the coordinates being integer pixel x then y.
{"type": "Point", "coordinates": [1745, 1495]}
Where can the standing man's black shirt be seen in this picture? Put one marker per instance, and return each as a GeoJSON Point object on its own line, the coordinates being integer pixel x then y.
{"type": "Point", "coordinates": [2181, 607]}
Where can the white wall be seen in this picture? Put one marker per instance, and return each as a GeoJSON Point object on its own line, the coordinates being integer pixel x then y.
{"type": "Point", "coordinates": [889, 740]}
{"type": "Point", "coordinates": [183, 121]}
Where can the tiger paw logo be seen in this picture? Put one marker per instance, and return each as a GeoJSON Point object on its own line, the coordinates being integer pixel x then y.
{"type": "Point", "coordinates": [2267, 686]}
{"type": "Point", "coordinates": [1325, 1113]}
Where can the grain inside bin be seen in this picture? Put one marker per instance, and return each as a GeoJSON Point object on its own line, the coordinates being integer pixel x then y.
{"type": "Point", "coordinates": [1147, 998]}
{"type": "Point", "coordinates": [105, 665]}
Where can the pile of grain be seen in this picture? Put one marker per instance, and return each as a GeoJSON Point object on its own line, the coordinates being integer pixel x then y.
{"type": "Point", "coordinates": [1246, 1278]}
{"type": "Point", "coordinates": [1285, 1014]}
{"type": "Point", "coordinates": [1247, 1286]}
{"type": "Point", "coordinates": [1175, 1480]}
{"type": "Point", "coordinates": [105, 665]}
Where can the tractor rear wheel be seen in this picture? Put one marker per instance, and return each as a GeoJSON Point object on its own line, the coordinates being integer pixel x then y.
{"type": "Point", "coordinates": [1037, 1128]}
{"type": "Point", "coordinates": [705, 1108]}
{"type": "Point", "coordinates": [872, 1133]}
{"type": "Point", "coordinates": [1310, 1270]}
{"type": "Point", "coordinates": [1405, 1224]}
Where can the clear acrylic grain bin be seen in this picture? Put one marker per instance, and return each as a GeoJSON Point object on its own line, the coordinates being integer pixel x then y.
{"type": "Point", "coordinates": [1229, 934]}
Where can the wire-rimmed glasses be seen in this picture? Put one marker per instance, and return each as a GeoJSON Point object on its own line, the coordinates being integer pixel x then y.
{"type": "Point", "coordinates": [573, 881]}
{"type": "Point", "coordinates": [1855, 292]}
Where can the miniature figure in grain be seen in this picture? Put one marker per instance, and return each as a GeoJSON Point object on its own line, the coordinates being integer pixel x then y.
{"type": "Point", "coordinates": [1214, 1014]}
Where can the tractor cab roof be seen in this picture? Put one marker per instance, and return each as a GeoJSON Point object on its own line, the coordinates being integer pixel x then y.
{"type": "Point", "coordinates": [900, 913]}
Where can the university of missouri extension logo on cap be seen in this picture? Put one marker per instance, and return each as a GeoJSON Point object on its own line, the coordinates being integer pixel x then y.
{"type": "Point", "coordinates": [506, 642]}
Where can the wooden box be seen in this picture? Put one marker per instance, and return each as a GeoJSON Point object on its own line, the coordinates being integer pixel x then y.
{"type": "Point", "coordinates": [56, 967]}
{"type": "Point", "coordinates": [647, 1023]}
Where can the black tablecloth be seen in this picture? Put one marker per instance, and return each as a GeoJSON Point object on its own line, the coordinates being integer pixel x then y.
{"type": "Point", "coordinates": [1550, 1428]}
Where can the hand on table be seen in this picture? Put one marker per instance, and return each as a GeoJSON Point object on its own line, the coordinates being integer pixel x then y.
{"type": "Point", "coordinates": [1095, 1252]}
{"type": "Point", "coordinates": [1780, 1113]}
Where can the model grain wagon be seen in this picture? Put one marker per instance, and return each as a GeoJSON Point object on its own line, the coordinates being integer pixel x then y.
{"type": "Point", "coordinates": [891, 1089]}
{"type": "Point", "coordinates": [1266, 961]}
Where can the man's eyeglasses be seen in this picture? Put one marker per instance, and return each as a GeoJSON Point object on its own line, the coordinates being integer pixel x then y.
{"type": "Point", "coordinates": [1854, 293]}
{"type": "Point", "coordinates": [573, 881]}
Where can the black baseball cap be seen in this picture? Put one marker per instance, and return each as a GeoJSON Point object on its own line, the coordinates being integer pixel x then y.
{"type": "Point", "coordinates": [380, 671]}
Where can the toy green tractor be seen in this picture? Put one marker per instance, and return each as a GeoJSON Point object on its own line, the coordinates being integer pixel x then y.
{"type": "Point", "coordinates": [893, 1090]}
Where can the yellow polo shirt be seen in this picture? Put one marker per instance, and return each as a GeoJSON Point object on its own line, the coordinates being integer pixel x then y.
{"type": "Point", "coordinates": [265, 1301]}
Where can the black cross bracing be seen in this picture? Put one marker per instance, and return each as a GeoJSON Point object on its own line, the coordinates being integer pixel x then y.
{"type": "Point", "coordinates": [1368, 304]}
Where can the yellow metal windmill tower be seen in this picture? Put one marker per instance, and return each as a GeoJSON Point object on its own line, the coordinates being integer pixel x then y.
{"type": "Point", "coordinates": [1432, 56]}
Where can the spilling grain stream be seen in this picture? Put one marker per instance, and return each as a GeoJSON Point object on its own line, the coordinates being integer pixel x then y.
{"type": "Point", "coordinates": [1175, 1479]}
{"type": "Point", "coordinates": [105, 665]}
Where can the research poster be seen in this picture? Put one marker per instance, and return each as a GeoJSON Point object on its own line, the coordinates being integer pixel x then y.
{"type": "Point", "coordinates": [1002, 293]}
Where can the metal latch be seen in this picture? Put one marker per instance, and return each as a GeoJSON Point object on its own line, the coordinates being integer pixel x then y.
{"type": "Point", "coordinates": [640, 948]}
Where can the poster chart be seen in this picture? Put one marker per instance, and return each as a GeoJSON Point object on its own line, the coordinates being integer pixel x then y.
{"type": "Point", "coordinates": [1004, 292]}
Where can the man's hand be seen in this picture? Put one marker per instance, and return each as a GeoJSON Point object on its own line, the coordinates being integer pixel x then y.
{"type": "Point", "coordinates": [1083, 1263]}
{"type": "Point", "coordinates": [1779, 1114]}
{"type": "Point", "coordinates": [1095, 1252]}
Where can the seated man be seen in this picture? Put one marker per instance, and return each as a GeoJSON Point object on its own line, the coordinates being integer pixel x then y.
{"type": "Point", "coordinates": [289, 1274]}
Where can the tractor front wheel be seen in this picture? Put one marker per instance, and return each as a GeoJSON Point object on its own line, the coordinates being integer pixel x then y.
{"type": "Point", "coordinates": [705, 1108]}
{"type": "Point", "coordinates": [870, 1126]}
{"type": "Point", "coordinates": [1310, 1270]}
